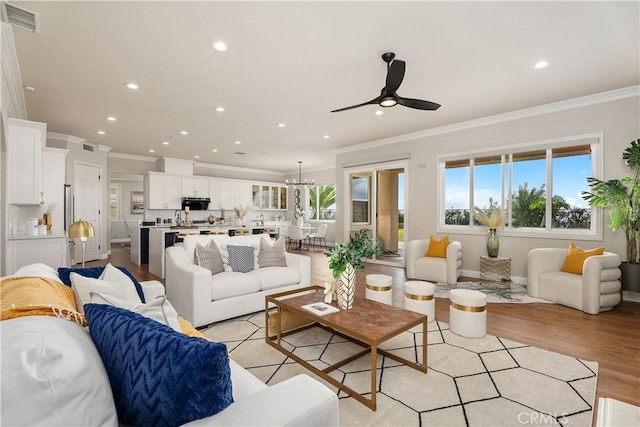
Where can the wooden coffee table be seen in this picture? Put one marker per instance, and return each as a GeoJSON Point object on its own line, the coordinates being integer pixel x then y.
{"type": "Point", "coordinates": [368, 323]}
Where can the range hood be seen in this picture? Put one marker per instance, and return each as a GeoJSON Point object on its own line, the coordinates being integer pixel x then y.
{"type": "Point", "coordinates": [196, 203]}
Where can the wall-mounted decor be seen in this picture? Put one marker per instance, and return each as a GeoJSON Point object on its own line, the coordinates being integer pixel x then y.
{"type": "Point", "coordinates": [137, 202]}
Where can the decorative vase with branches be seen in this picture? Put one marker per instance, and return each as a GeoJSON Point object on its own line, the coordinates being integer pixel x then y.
{"type": "Point", "coordinates": [495, 219]}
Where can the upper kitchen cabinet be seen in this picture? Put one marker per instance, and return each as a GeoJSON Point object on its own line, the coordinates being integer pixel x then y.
{"type": "Point", "coordinates": [25, 142]}
{"type": "Point", "coordinates": [163, 191]}
{"type": "Point", "coordinates": [269, 196]}
{"type": "Point", "coordinates": [229, 193]}
{"type": "Point", "coordinates": [195, 187]}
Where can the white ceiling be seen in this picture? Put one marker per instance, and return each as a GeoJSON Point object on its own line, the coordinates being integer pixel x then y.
{"type": "Point", "coordinates": [293, 62]}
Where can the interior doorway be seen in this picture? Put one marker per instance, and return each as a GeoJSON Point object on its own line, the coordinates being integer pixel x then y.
{"type": "Point", "coordinates": [86, 206]}
{"type": "Point", "coordinates": [376, 196]}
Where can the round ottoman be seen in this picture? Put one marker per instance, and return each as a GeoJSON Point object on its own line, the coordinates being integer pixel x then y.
{"type": "Point", "coordinates": [418, 297]}
{"type": "Point", "coordinates": [379, 288]}
{"type": "Point", "coordinates": [468, 313]}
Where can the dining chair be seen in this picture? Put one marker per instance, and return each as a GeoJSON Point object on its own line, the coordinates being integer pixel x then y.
{"type": "Point", "coordinates": [319, 235]}
{"type": "Point", "coordinates": [296, 235]}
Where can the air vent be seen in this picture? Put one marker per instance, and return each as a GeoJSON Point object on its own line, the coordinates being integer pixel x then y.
{"type": "Point", "coordinates": [88, 147]}
{"type": "Point", "coordinates": [240, 153]}
{"type": "Point", "coordinates": [22, 18]}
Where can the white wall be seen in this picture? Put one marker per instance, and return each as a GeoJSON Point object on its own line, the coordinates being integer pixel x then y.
{"type": "Point", "coordinates": [619, 121]}
{"type": "Point", "coordinates": [12, 104]}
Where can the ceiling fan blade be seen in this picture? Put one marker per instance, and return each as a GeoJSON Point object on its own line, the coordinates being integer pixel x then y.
{"type": "Point", "coordinates": [395, 76]}
{"type": "Point", "coordinates": [418, 104]}
{"type": "Point", "coordinates": [373, 101]}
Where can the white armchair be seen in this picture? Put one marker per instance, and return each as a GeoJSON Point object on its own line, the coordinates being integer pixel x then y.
{"type": "Point", "coordinates": [421, 267]}
{"type": "Point", "coordinates": [596, 289]}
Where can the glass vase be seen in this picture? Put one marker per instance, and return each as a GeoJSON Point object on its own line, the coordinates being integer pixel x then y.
{"type": "Point", "coordinates": [493, 245]}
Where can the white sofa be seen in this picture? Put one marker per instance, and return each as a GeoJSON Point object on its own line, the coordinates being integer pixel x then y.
{"type": "Point", "coordinates": [596, 289]}
{"type": "Point", "coordinates": [421, 267]}
{"type": "Point", "coordinates": [203, 298]}
{"type": "Point", "coordinates": [53, 375]}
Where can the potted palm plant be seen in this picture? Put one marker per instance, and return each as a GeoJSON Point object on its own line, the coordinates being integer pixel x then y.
{"type": "Point", "coordinates": [347, 258]}
{"type": "Point", "coordinates": [623, 197]}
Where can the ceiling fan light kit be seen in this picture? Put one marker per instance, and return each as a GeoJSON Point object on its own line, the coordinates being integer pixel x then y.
{"type": "Point", "coordinates": [388, 97]}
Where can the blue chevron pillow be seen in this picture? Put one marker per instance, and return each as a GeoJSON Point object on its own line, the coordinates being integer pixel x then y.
{"type": "Point", "coordinates": [158, 376]}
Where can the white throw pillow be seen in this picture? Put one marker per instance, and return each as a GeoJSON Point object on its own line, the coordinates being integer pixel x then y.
{"type": "Point", "coordinates": [83, 286]}
{"type": "Point", "coordinates": [39, 270]}
{"type": "Point", "coordinates": [113, 274]}
{"type": "Point", "coordinates": [159, 309]}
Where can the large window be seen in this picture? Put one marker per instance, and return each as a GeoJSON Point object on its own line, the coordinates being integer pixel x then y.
{"type": "Point", "coordinates": [322, 202]}
{"type": "Point", "coordinates": [360, 199]}
{"type": "Point", "coordinates": [539, 185]}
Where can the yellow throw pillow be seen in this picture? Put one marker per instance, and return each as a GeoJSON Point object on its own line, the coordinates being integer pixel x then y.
{"type": "Point", "coordinates": [438, 248]}
{"type": "Point", "coordinates": [576, 256]}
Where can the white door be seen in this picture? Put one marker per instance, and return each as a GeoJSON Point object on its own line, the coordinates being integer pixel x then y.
{"type": "Point", "coordinates": [86, 206]}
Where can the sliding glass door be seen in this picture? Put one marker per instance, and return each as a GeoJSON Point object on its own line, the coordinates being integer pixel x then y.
{"type": "Point", "coordinates": [376, 200]}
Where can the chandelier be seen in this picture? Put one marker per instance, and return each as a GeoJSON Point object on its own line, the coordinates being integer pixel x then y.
{"type": "Point", "coordinates": [294, 183]}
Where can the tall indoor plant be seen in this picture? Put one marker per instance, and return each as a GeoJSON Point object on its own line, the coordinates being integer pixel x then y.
{"type": "Point", "coordinates": [347, 258]}
{"type": "Point", "coordinates": [623, 197]}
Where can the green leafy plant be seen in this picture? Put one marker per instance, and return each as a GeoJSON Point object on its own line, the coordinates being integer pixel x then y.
{"type": "Point", "coordinates": [623, 197]}
{"type": "Point", "coordinates": [355, 252]}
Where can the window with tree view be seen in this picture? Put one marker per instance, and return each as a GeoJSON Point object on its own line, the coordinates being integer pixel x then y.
{"type": "Point", "coordinates": [322, 202]}
{"type": "Point", "coordinates": [539, 187]}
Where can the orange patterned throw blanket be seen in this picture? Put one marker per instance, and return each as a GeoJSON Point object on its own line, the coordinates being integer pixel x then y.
{"type": "Point", "coordinates": [37, 296]}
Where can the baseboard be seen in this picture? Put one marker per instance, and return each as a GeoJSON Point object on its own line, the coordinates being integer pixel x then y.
{"type": "Point", "coordinates": [631, 296]}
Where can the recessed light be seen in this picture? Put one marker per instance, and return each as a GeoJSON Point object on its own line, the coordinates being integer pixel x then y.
{"type": "Point", "coordinates": [219, 109]}
{"type": "Point", "coordinates": [165, 142]}
{"type": "Point", "coordinates": [215, 150]}
{"type": "Point", "coordinates": [184, 132]}
{"type": "Point", "coordinates": [237, 142]}
{"type": "Point", "coordinates": [152, 151]}
{"type": "Point", "coordinates": [132, 85]}
{"type": "Point", "coordinates": [540, 64]}
{"type": "Point", "coordinates": [219, 46]}
{"type": "Point", "coordinates": [111, 119]}
{"type": "Point", "coordinates": [196, 157]}
{"type": "Point", "coordinates": [29, 88]}
{"type": "Point", "coordinates": [281, 125]}
{"type": "Point", "coordinates": [101, 132]}
{"type": "Point", "coordinates": [379, 112]}
{"type": "Point", "coordinates": [326, 136]}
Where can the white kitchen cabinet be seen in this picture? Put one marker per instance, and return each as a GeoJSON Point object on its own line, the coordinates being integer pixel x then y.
{"type": "Point", "coordinates": [269, 196]}
{"type": "Point", "coordinates": [229, 193]}
{"type": "Point", "coordinates": [195, 187]}
{"type": "Point", "coordinates": [163, 191]}
{"type": "Point", "coordinates": [50, 250]}
{"type": "Point", "coordinates": [25, 142]}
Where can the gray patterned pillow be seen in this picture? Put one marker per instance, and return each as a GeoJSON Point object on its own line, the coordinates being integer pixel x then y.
{"type": "Point", "coordinates": [272, 255]}
{"type": "Point", "coordinates": [240, 258]}
{"type": "Point", "coordinates": [209, 257]}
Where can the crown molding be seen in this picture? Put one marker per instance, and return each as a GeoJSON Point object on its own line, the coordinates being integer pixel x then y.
{"type": "Point", "coordinates": [65, 138]}
{"type": "Point", "coordinates": [11, 71]}
{"type": "Point", "coordinates": [132, 157]}
{"type": "Point", "coordinates": [554, 107]}
{"type": "Point", "coordinates": [237, 169]}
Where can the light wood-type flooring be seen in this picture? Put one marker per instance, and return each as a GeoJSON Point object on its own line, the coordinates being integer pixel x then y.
{"type": "Point", "coordinates": [612, 338]}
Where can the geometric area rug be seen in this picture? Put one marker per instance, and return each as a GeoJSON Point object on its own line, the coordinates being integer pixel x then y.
{"type": "Point", "coordinates": [489, 381]}
{"type": "Point", "coordinates": [509, 292]}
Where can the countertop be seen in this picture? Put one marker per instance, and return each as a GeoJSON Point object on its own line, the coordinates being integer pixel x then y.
{"type": "Point", "coordinates": [53, 234]}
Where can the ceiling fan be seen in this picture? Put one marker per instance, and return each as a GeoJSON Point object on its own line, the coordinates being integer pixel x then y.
{"type": "Point", "coordinates": [388, 96]}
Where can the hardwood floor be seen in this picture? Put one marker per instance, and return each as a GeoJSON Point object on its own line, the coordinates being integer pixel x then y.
{"type": "Point", "coordinates": [611, 338]}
